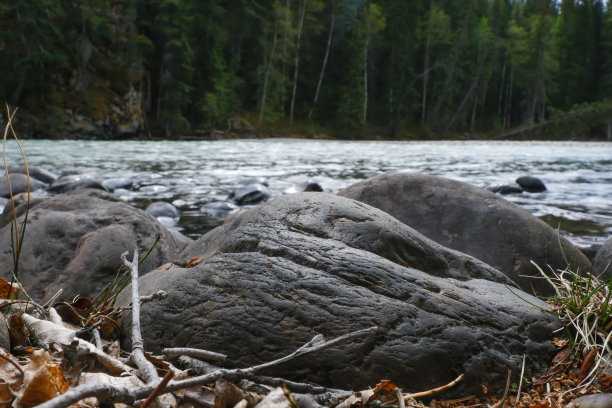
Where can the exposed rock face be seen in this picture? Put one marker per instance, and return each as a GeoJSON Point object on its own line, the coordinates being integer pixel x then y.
{"type": "Point", "coordinates": [603, 258]}
{"type": "Point", "coordinates": [312, 263]}
{"type": "Point", "coordinates": [74, 241]}
{"type": "Point", "coordinates": [471, 220]}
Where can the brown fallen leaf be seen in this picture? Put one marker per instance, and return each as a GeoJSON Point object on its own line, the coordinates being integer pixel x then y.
{"type": "Point", "coordinates": [17, 331]}
{"type": "Point", "coordinates": [193, 262]}
{"type": "Point", "coordinates": [43, 380]}
{"type": "Point", "coordinates": [7, 291]}
{"type": "Point", "coordinates": [10, 373]}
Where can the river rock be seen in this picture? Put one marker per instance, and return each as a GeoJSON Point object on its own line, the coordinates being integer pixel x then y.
{"type": "Point", "coordinates": [603, 400]}
{"type": "Point", "coordinates": [505, 189]}
{"type": "Point", "coordinates": [74, 241]}
{"type": "Point", "coordinates": [250, 194]}
{"type": "Point", "coordinates": [19, 184]}
{"type": "Point", "coordinates": [531, 184]}
{"type": "Point", "coordinates": [73, 182]}
{"type": "Point", "coordinates": [471, 220]}
{"type": "Point", "coordinates": [219, 208]}
{"type": "Point", "coordinates": [253, 180]}
{"type": "Point", "coordinates": [163, 209]}
{"type": "Point", "coordinates": [303, 264]}
{"type": "Point", "coordinates": [118, 183]}
{"type": "Point", "coordinates": [603, 258]}
{"type": "Point", "coordinates": [38, 173]}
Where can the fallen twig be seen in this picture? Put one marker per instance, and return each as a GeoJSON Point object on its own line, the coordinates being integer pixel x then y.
{"type": "Point", "coordinates": [193, 352]}
{"type": "Point", "coordinates": [145, 367]}
{"type": "Point", "coordinates": [502, 402]}
{"type": "Point", "coordinates": [120, 394]}
{"type": "Point", "coordinates": [158, 389]}
{"type": "Point", "coordinates": [433, 391]}
{"type": "Point", "coordinates": [518, 393]}
{"type": "Point", "coordinates": [298, 387]}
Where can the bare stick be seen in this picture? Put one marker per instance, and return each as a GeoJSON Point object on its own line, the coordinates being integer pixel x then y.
{"type": "Point", "coordinates": [14, 363]}
{"type": "Point", "coordinates": [302, 388]}
{"type": "Point", "coordinates": [145, 367]}
{"type": "Point", "coordinates": [193, 352]}
{"type": "Point", "coordinates": [433, 391]}
{"type": "Point", "coordinates": [97, 339]}
{"type": "Point", "coordinates": [518, 394]}
{"type": "Point", "coordinates": [400, 398]}
{"type": "Point", "coordinates": [120, 394]}
{"type": "Point", "coordinates": [502, 402]}
{"type": "Point", "coordinates": [158, 389]}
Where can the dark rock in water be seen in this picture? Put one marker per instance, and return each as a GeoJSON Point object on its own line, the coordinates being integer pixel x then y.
{"type": "Point", "coordinates": [531, 184]}
{"type": "Point", "coordinates": [253, 180]}
{"type": "Point", "coordinates": [313, 186]}
{"type": "Point", "coordinates": [313, 263]}
{"type": "Point", "coordinates": [471, 220]}
{"type": "Point", "coordinates": [307, 185]}
{"type": "Point", "coordinates": [603, 258]}
{"type": "Point", "coordinates": [19, 184]}
{"type": "Point", "coordinates": [69, 183]}
{"type": "Point", "coordinates": [36, 172]}
{"type": "Point", "coordinates": [250, 194]}
{"type": "Point", "coordinates": [163, 209]}
{"type": "Point", "coordinates": [219, 208]}
{"type": "Point", "coordinates": [74, 241]}
{"type": "Point", "coordinates": [506, 189]}
{"type": "Point", "coordinates": [114, 184]}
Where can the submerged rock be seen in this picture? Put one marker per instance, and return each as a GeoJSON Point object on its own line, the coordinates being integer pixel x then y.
{"type": "Point", "coordinates": [506, 189]}
{"type": "Point", "coordinates": [38, 173]}
{"type": "Point", "coordinates": [303, 264]}
{"type": "Point", "coordinates": [531, 184]}
{"type": "Point", "coordinates": [472, 220]}
{"type": "Point", "coordinates": [74, 241]}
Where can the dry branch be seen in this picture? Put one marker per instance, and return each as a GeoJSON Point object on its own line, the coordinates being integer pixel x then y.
{"type": "Point", "coordinates": [121, 394]}
{"type": "Point", "coordinates": [193, 352]}
{"type": "Point", "coordinates": [433, 391]}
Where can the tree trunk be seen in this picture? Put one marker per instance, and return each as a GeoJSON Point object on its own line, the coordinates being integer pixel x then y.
{"type": "Point", "coordinates": [267, 76]}
{"type": "Point", "coordinates": [297, 56]}
{"type": "Point", "coordinates": [329, 41]}
{"type": "Point", "coordinates": [365, 80]}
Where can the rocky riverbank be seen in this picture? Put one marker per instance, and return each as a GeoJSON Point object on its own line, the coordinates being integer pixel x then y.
{"type": "Point", "coordinates": [312, 263]}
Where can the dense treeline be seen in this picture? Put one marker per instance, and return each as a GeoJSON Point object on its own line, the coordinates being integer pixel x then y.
{"type": "Point", "coordinates": [423, 66]}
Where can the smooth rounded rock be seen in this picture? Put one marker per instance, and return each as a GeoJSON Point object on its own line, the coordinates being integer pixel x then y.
{"type": "Point", "coordinates": [74, 241]}
{"type": "Point", "coordinates": [70, 183]}
{"type": "Point", "coordinates": [603, 400]}
{"type": "Point", "coordinates": [472, 220]}
{"type": "Point", "coordinates": [38, 173]}
{"type": "Point", "coordinates": [253, 180]}
{"type": "Point", "coordinates": [119, 183]}
{"type": "Point", "coordinates": [603, 258]}
{"type": "Point", "coordinates": [303, 264]}
{"type": "Point", "coordinates": [531, 184]}
{"type": "Point", "coordinates": [506, 189]}
{"type": "Point", "coordinates": [19, 184]}
{"type": "Point", "coordinates": [163, 209]}
{"type": "Point", "coordinates": [219, 208]}
{"type": "Point", "coordinates": [250, 194]}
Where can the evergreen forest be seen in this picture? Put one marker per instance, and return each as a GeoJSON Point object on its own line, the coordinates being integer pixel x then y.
{"type": "Point", "coordinates": [395, 68]}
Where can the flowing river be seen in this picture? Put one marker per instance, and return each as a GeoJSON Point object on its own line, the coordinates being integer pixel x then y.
{"type": "Point", "coordinates": [190, 174]}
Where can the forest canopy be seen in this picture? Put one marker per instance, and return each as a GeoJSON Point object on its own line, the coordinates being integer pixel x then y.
{"type": "Point", "coordinates": [417, 67]}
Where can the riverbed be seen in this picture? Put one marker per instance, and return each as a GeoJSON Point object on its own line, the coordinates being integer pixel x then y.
{"type": "Point", "coordinates": [190, 174]}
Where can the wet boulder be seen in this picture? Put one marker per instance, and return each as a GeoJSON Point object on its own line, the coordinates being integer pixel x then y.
{"type": "Point", "coordinates": [162, 209]}
{"type": "Point", "coordinates": [250, 194]}
{"type": "Point", "coordinates": [219, 209]}
{"type": "Point", "coordinates": [471, 220]}
{"type": "Point", "coordinates": [603, 258]}
{"type": "Point", "coordinates": [19, 184]}
{"type": "Point", "coordinates": [274, 276]}
{"type": "Point", "coordinates": [505, 189]}
{"type": "Point", "coordinates": [253, 180]}
{"type": "Point", "coordinates": [74, 241]}
{"type": "Point", "coordinates": [531, 184]}
{"type": "Point", "coordinates": [75, 182]}
{"type": "Point", "coordinates": [38, 173]}
{"type": "Point", "coordinates": [118, 183]}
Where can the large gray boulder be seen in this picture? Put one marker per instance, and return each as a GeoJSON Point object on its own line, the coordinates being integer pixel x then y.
{"type": "Point", "coordinates": [474, 221]}
{"type": "Point", "coordinates": [19, 184]}
{"type": "Point", "coordinates": [74, 241]}
{"type": "Point", "coordinates": [312, 263]}
{"type": "Point", "coordinates": [602, 263]}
